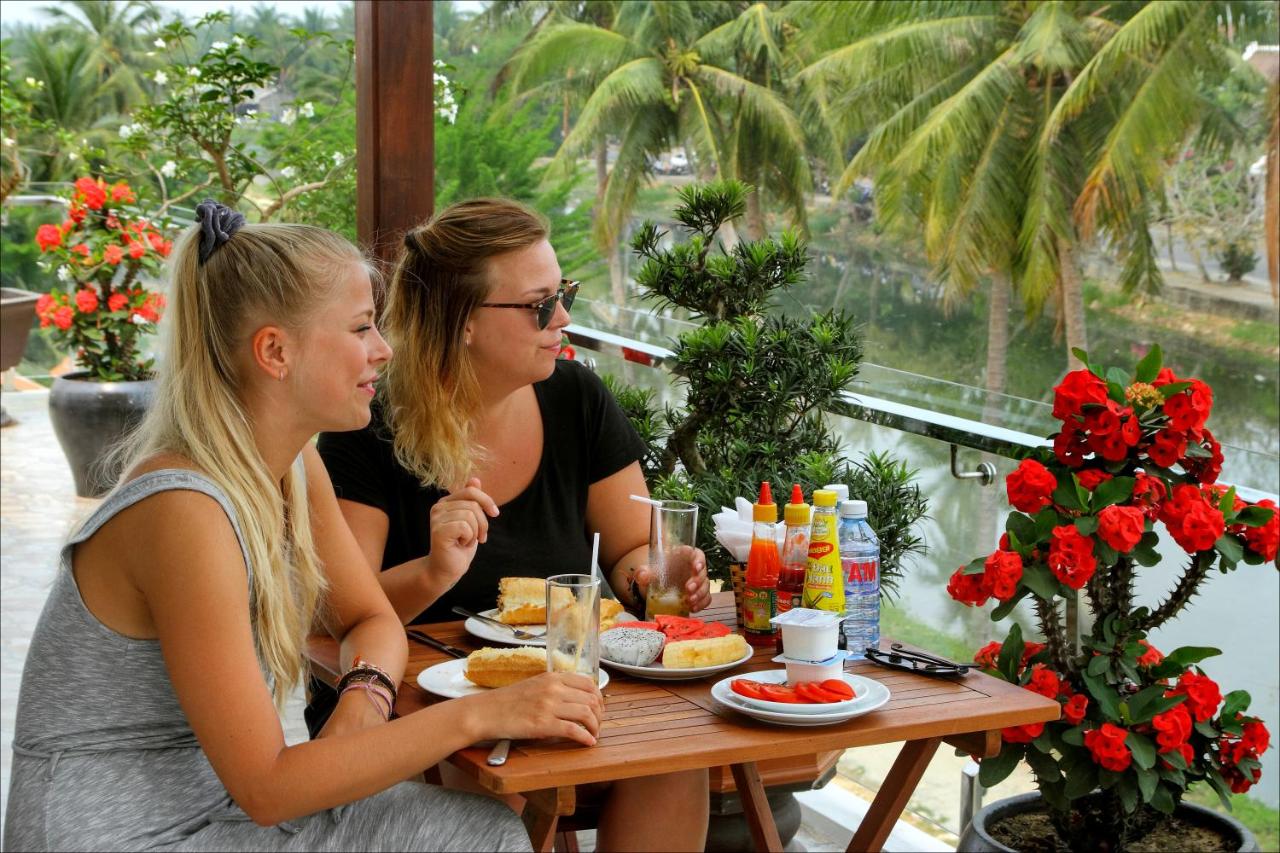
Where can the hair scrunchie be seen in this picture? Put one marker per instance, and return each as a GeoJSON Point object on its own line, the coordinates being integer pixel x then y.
{"type": "Point", "coordinates": [217, 225]}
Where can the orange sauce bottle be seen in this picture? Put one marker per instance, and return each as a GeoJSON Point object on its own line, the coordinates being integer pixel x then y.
{"type": "Point", "coordinates": [764, 565]}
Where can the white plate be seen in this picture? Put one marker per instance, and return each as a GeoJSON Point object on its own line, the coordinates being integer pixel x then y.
{"type": "Point", "coordinates": [448, 680]}
{"type": "Point", "coordinates": [870, 696]}
{"type": "Point", "coordinates": [494, 634]}
{"type": "Point", "coordinates": [657, 672]}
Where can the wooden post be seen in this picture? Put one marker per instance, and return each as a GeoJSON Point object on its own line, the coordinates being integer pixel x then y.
{"type": "Point", "coordinates": [395, 122]}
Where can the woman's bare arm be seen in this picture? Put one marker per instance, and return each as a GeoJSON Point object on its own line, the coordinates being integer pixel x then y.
{"type": "Point", "coordinates": [194, 582]}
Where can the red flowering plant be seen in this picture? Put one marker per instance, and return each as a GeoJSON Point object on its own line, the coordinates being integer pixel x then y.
{"type": "Point", "coordinates": [98, 253]}
{"type": "Point", "coordinates": [1137, 727]}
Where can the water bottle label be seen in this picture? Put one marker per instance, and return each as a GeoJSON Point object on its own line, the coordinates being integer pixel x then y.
{"type": "Point", "coordinates": [758, 607]}
{"type": "Point", "coordinates": [861, 572]}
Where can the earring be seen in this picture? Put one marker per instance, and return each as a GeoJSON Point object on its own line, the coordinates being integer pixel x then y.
{"type": "Point", "coordinates": [282, 374]}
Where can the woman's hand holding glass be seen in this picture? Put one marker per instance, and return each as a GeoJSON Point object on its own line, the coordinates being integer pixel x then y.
{"type": "Point", "coordinates": [554, 704]}
{"type": "Point", "coordinates": [459, 524]}
{"type": "Point", "coordinates": [697, 588]}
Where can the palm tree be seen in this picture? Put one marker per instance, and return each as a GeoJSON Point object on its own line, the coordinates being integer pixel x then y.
{"type": "Point", "coordinates": [1016, 134]}
{"type": "Point", "coordinates": [71, 97]}
{"type": "Point", "coordinates": [115, 29]}
{"type": "Point", "coordinates": [664, 74]}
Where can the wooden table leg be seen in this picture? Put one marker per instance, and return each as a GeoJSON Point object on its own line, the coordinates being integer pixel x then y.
{"type": "Point", "coordinates": [541, 827]}
{"type": "Point", "coordinates": [898, 787]}
{"type": "Point", "coordinates": [755, 807]}
{"type": "Point", "coordinates": [541, 815]}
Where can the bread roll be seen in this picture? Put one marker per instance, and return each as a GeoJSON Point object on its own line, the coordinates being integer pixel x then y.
{"type": "Point", "coordinates": [500, 667]}
{"type": "Point", "coordinates": [610, 610]}
{"type": "Point", "coordinates": [687, 654]}
{"type": "Point", "coordinates": [523, 601]}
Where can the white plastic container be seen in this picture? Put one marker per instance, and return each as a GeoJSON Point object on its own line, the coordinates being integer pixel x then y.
{"type": "Point", "coordinates": [808, 634]}
{"type": "Point", "coordinates": [803, 670]}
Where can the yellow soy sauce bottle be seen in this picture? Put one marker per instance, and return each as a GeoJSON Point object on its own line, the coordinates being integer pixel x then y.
{"type": "Point", "coordinates": [823, 581]}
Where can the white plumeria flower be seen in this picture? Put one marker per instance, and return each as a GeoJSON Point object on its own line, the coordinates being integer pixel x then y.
{"type": "Point", "coordinates": [73, 156]}
{"type": "Point", "coordinates": [161, 78]}
{"type": "Point", "coordinates": [218, 45]}
{"type": "Point", "coordinates": [307, 110]}
{"type": "Point", "coordinates": [34, 83]}
{"type": "Point", "coordinates": [288, 172]}
{"type": "Point", "coordinates": [238, 41]}
{"type": "Point", "coordinates": [159, 42]}
{"type": "Point", "coordinates": [338, 158]}
{"type": "Point", "coordinates": [139, 320]}
{"type": "Point", "coordinates": [193, 71]}
{"type": "Point", "coordinates": [64, 274]}
{"type": "Point", "coordinates": [169, 169]}
{"type": "Point", "coordinates": [126, 130]}
{"type": "Point", "coordinates": [289, 116]}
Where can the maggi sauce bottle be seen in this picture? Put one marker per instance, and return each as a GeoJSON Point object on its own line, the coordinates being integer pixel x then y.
{"type": "Point", "coordinates": [763, 567]}
{"type": "Point", "coordinates": [823, 578]}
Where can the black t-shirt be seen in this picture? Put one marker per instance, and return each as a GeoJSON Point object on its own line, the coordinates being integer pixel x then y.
{"type": "Point", "coordinates": [540, 532]}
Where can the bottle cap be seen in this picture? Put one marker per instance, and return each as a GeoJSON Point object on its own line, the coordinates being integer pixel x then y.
{"type": "Point", "coordinates": [853, 509]}
{"type": "Point", "coordinates": [824, 497]}
{"type": "Point", "coordinates": [764, 508]}
{"type": "Point", "coordinates": [797, 511]}
{"type": "Point", "coordinates": [841, 490]}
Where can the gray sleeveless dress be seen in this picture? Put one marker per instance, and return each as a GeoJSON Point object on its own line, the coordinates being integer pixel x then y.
{"type": "Point", "coordinates": [104, 758]}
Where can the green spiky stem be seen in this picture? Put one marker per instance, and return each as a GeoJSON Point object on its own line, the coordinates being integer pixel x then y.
{"type": "Point", "coordinates": [1051, 628]}
{"type": "Point", "coordinates": [1187, 587]}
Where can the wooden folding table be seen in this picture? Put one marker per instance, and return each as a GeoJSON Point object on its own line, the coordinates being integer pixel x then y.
{"type": "Point", "coordinates": [653, 727]}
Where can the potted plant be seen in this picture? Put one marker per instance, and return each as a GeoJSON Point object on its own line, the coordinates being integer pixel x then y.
{"type": "Point", "coordinates": [100, 312]}
{"type": "Point", "coordinates": [1138, 727]}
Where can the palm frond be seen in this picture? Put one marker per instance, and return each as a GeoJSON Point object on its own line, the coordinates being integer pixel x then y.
{"type": "Point", "coordinates": [950, 38]}
{"type": "Point", "coordinates": [1152, 122]}
{"type": "Point", "coordinates": [560, 47]}
{"type": "Point", "coordinates": [636, 85]}
{"type": "Point", "coordinates": [891, 134]}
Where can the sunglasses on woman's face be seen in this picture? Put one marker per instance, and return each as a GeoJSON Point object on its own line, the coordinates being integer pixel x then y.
{"type": "Point", "coordinates": [546, 308]}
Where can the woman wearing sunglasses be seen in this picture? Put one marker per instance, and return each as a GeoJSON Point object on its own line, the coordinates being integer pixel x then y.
{"type": "Point", "coordinates": [489, 457]}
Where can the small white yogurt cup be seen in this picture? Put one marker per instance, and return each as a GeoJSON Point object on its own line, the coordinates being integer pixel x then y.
{"type": "Point", "coordinates": [808, 634]}
{"type": "Point", "coordinates": [804, 670]}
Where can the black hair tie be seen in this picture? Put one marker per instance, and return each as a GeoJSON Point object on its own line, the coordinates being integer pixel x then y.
{"type": "Point", "coordinates": [217, 225]}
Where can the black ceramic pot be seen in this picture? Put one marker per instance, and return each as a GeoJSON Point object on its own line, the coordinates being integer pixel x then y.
{"type": "Point", "coordinates": [976, 839]}
{"type": "Point", "coordinates": [89, 417]}
{"type": "Point", "coordinates": [728, 832]}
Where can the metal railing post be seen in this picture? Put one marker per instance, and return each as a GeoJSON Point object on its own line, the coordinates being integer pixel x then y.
{"type": "Point", "coordinates": [971, 792]}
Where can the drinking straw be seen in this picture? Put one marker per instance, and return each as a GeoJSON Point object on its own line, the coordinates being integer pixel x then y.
{"type": "Point", "coordinates": [641, 499]}
{"type": "Point", "coordinates": [657, 523]}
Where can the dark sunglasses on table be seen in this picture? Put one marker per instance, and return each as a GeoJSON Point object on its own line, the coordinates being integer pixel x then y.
{"type": "Point", "coordinates": [546, 308]}
{"type": "Point", "coordinates": [899, 658]}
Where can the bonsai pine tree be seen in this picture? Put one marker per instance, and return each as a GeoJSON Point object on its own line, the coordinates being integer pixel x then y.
{"type": "Point", "coordinates": [756, 384]}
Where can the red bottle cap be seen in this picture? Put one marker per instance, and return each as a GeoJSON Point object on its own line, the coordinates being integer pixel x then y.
{"type": "Point", "coordinates": [765, 509]}
{"type": "Point", "coordinates": [797, 496]}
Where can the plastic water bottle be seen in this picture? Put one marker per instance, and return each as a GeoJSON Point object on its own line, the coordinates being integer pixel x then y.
{"type": "Point", "coordinates": [860, 564]}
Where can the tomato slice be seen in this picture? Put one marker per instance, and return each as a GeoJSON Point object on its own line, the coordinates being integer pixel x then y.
{"type": "Point", "coordinates": [843, 689]}
{"type": "Point", "coordinates": [779, 693]}
{"type": "Point", "coordinates": [809, 691]}
{"type": "Point", "coordinates": [747, 687]}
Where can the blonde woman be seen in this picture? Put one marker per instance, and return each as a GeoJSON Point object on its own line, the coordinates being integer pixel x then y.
{"type": "Point", "coordinates": [180, 610]}
{"type": "Point", "coordinates": [481, 435]}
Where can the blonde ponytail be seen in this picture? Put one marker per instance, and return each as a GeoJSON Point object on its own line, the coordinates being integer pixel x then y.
{"type": "Point", "coordinates": [276, 273]}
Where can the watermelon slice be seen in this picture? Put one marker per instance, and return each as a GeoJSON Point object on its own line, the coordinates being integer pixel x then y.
{"type": "Point", "coordinates": [652, 626]}
{"type": "Point", "coordinates": [686, 628]}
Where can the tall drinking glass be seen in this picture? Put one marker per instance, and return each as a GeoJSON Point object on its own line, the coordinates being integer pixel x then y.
{"type": "Point", "coordinates": [573, 625]}
{"type": "Point", "coordinates": [673, 528]}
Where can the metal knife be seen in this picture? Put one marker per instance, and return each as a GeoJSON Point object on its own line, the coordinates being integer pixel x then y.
{"type": "Point", "coordinates": [428, 640]}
